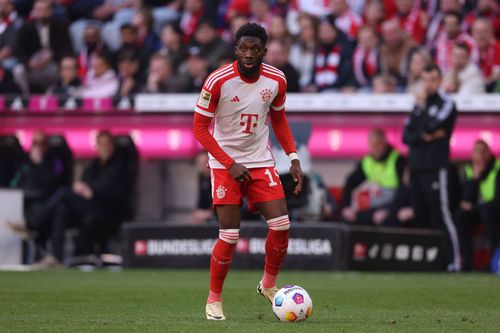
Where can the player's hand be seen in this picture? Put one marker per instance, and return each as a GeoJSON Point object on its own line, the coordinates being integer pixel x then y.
{"type": "Point", "coordinates": [240, 173]}
{"type": "Point", "coordinates": [298, 176]}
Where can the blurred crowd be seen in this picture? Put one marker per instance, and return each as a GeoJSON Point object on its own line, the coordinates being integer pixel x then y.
{"type": "Point", "coordinates": [108, 48]}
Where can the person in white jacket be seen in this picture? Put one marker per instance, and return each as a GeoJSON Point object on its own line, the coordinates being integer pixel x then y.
{"type": "Point", "coordinates": [101, 80]}
{"type": "Point", "coordinates": [467, 73]}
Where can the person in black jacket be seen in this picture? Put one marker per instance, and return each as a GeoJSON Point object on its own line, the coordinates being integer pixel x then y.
{"type": "Point", "coordinates": [383, 169]}
{"type": "Point", "coordinates": [480, 201]}
{"type": "Point", "coordinates": [427, 133]}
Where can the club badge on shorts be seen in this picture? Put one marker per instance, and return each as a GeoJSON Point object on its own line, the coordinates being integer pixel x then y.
{"type": "Point", "coordinates": [220, 192]}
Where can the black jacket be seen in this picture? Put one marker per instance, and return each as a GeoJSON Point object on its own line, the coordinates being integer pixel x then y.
{"type": "Point", "coordinates": [439, 113]}
{"type": "Point", "coordinates": [357, 177]}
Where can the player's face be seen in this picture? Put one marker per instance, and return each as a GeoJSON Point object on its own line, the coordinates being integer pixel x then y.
{"type": "Point", "coordinates": [432, 81]}
{"type": "Point", "coordinates": [250, 51]}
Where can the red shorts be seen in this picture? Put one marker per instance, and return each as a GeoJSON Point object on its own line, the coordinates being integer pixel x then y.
{"type": "Point", "coordinates": [264, 186]}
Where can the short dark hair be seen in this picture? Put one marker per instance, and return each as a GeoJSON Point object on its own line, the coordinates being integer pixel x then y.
{"type": "Point", "coordinates": [252, 30]}
{"type": "Point", "coordinates": [432, 67]}
{"type": "Point", "coordinates": [454, 13]}
{"type": "Point", "coordinates": [463, 46]}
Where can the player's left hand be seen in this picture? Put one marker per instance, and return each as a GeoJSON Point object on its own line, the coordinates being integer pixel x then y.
{"type": "Point", "coordinates": [298, 176]}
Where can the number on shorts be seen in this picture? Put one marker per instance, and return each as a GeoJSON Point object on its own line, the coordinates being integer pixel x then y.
{"type": "Point", "coordinates": [272, 182]}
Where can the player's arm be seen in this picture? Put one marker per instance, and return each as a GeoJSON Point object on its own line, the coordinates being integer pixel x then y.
{"type": "Point", "coordinates": [284, 135]}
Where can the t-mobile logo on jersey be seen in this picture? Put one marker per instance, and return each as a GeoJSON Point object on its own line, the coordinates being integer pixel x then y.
{"type": "Point", "coordinates": [249, 121]}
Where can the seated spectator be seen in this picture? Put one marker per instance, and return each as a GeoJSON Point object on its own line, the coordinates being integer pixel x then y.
{"type": "Point", "coordinates": [210, 45]}
{"type": "Point", "coordinates": [333, 59]}
{"type": "Point", "coordinates": [395, 50]}
{"type": "Point", "coordinates": [92, 47]}
{"type": "Point", "coordinates": [191, 16]}
{"type": "Point", "coordinates": [68, 84]}
{"type": "Point", "coordinates": [38, 179]}
{"type": "Point", "coordinates": [235, 23]}
{"type": "Point", "coordinates": [204, 211]}
{"type": "Point", "coordinates": [7, 84]}
{"type": "Point", "coordinates": [10, 23]}
{"type": "Point", "coordinates": [480, 201]}
{"type": "Point", "coordinates": [278, 30]}
{"type": "Point", "coordinates": [101, 80]}
{"type": "Point", "coordinates": [260, 13]}
{"type": "Point", "coordinates": [450, 82]}
{"type": "Point", "coordinates": [374, 15]}
{"type": "Point", "coordinates": [488, 10]}
{"type": "Point", "coordinates": [277, 56]}
{"type": "Point", "coordinates": [488, 51]}
{"type": "Point", "coordinates": [436, 25]}
{"type": "Point", "coordinates": [45, 42]}
{"type": "Point", "coordinates": [383, 168]}
{"type": "Point", "coordinates": [197, 70]}
{"type": "Point", "coordinates": [384, 84]}
{"type": "Point", "coordinates": [346, 20]}
{"type": "Point", "coordinates": [401, 212]}
{"type": "Point", "coordinates": [130, 43]}
{"type": "Point", "coordinates": [143, 20]}
{"type": "Point", "coordinates": [470, 80]}
{"type": "Point", "coordinates": [450, 36]}
{"type": "Point", "coordinates": [413, 19]}
{"type": "Point", "coordinates": [418, 60]}
{"type": "Point", "coordinates": [172, 46]}
{"type": "Point", "coordinates": [161, 77]}
{"type": "Point", "coordinates": [130, 81]}
{"type": "Point", "coordinates": [366, 56]}
{"type": "Point", "coordinates": [302, 51]}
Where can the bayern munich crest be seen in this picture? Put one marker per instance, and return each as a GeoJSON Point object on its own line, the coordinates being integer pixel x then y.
{"type": "Point", "coordinates": [266, 95]}
{"type": "Point", "coordinates": [220, 192]}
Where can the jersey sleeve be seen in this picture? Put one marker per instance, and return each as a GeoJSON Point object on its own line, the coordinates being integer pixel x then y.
{"type": "Point", "coordinates": [278, 103]}
{"type": "Point", "coordinates": [208, 99]}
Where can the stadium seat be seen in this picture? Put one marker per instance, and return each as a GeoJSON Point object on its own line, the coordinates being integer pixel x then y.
{"type": "Point", "coordinates": [11, 154]}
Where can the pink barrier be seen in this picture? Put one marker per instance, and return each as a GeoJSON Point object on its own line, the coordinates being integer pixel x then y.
{"type": "Point", "coordinates": [96, 104]}
{"type": "Point", "coordinates": [2, 104]}
{"type": "Point", "coordinates": [42, 103]}
{"type": "Point", "coordinates": [178, 142]}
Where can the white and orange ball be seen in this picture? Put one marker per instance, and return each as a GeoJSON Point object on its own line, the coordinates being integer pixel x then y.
{"type": "Point", "coordinates": [292, 304]}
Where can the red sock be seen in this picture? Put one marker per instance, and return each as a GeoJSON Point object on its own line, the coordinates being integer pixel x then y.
{"type": "Point", "coordinates": [219, 266]}
{"type": "Point", "coordinates": [276, 247]}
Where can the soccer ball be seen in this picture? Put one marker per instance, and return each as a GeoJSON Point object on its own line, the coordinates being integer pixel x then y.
{"type": "Point", "coordinates": [292, 303]}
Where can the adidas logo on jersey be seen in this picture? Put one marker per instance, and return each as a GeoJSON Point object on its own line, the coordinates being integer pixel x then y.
{"type": "Point", "coordinates": [235, 99]}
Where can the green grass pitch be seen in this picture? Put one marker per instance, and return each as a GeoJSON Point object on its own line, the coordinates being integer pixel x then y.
{"type": "Point", "coordinates": [173, 301]}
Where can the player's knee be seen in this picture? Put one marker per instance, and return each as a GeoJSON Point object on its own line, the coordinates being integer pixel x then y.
{"type": "Point", "coordinates": [230, 236]}
{"type": "Point", "coordinates": [279, 223]}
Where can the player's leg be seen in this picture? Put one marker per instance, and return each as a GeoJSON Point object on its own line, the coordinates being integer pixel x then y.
{"type": "Point", "coordinates": [276, 214]}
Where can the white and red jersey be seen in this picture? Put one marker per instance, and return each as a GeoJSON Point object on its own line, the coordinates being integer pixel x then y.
{"type": "Point", "coordinates": [241, 108]}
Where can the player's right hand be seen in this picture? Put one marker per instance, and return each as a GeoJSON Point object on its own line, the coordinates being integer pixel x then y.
{"type": "Point", "coordinates": [240, 173]}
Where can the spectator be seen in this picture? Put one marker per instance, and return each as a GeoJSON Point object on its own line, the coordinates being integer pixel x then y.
{"type": "Point", "coordinates": [395, 50]}
{"type": "Point", "coordinates": [68, 84]}
{"type": "Point", "coordinates": [427, 132]}
{"type": "Point", "coordinates": [277, 56]}
{"type": "Point", "coordinates": [235, 23]}
{"type": "Point", "coordinates": [161, 78]}
{"type": "Point", "coordinates": [488, 10]}
{"type": "Point", "coordinates": [101, 80]}
{"type": "Point", "coordinates": [191, 17]}
{"type": "Point", "coordinates": [130, 81]}
{"type": "Point", "coordinates": [418, 60]}
{"type": "Point", "coordinates": [210, 45]}
{"type": "Point", "coordinates": [7, 84]}
{"type": "Point", "coordinates": [38, 179]}
{"type": "Point", "coordinates": [366, 56]}
{"type": "Point", "coordinates": [315, 8]}
{"type": "Point", "coordinates": [488, 51]}
{"type": "Point", "coordinates": [400, 212]}
{"type": "Point", "coordinates": [374, 15]}
{"type": "Point", "coordinates": [260, 13]}
{"type": "Point", "coordinates": [470, 80]}
{"type": "Point", "coordinates": [384, 84]}
{"type": "Point", "coordinates": [172, 46]}
{"type": "Point", "coordinates": [204, 211]}
{"type": "Point", "coordinates": [278, 30]}
{"type": "Point", "coordinates": [302, 51]}
{"type": "Point", "coordinates": [10, 23]}
{"type": "Point", "coordinates": [346, 20]}
{"type": "Point", "coordinates": [197, 70]}
{"type": "Point", "coordinates": [413, 20]}
{"type": "Point", "coordinates": [91, 48]}
{"type": "Point", "coordinates": [131, 44]}
{"type": "Point", "coordinates": [143, 20]}
{"type": "Point", "coordinates": [435, 27]}
{"type": "Point", "coordinates": [333, 59]}
{"type": "Point", "coordinates": [383, 169]}
{"type": "Point", "coordinates": [450, 36]}
{"type": "Point", "coordinates": [450, 82]}
{"type": "Point", "coordinates": [480, 201]}
{"type": "Point", "coordinates": [45, 42]}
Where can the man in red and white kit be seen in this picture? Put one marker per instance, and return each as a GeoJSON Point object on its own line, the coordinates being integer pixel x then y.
{"type": "Point", "coordinates": [241, 96]}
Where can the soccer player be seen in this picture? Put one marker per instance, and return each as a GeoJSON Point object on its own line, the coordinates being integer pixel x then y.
{"type": "Point", "coordinates": [240, 96]}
